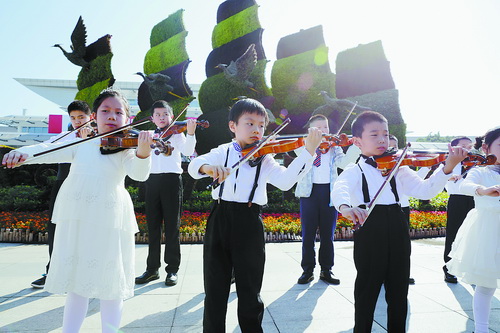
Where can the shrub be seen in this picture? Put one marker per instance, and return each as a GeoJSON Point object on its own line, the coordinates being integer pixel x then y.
{"type": "Point", "coordinates": [89, 94]}
{"type": "Point", "coordinates": [100, 70]}
{"type": "Point", "coordinates": [235, 26]}
{"type": "Point", "coordinates": [22, 198]}
{"type": "Point", "coordinates": [166, 54]}
{"type": "Point", "coordinates": [167, 28]}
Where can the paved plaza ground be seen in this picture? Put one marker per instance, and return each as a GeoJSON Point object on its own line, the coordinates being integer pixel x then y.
{"type": "Point", "coordinates": [434, 305]}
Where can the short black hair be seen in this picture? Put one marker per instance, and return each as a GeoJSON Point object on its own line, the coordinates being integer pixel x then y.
{"type": "Point", "coordinates": [457, 139]}
{"type": "Point", "coordinates": [318, 116]}
{"type": "Point", "coordinates": [393, 137]}
{"type": "Point", "coordinates": [161, 104]}
{"type": "Point", "coordinates": [79, 106]}
{"type": "Point", "coordinates": [247, 105]}
{"type": "Point", "coordinates": [110, 92]}
{"type": "Point", "coordinates": [366, 117]}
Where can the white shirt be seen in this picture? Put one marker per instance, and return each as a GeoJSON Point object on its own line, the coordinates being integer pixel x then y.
{"type": "Point", "coordinates": [68, 138]}
{"type": "Point", "coordinates": [347, 190]}
{"type": "Point", "coordinates": [451, 186]}
{"type": "Point", "coordinates": [239, 184]}
{"type": "Point", "coordinates": [172, 164]}
{"type": "Point", "coordinates": [321, 174]}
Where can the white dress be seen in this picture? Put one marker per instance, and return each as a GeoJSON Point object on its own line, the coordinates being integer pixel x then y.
{"type": "Point", "coordinates": [475, 253]}
{"type": "Point", "coordinates": [94, 243]}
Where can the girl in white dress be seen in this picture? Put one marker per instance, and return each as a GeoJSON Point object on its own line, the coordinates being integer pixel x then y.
{"type": "Point", "coordinates": [94, 244]}
{"type": "Point", "coordinates": [475, 254]}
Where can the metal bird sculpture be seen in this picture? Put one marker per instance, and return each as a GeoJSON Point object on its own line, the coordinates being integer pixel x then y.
{"type": "Point", "coordinates": [158, 86]}
{"type": "Point", "coordinates": [333, 104]}
{"type": "Point", "coordinates": [238, 72]}
{"type": "Point", "coordinates": [78, 41]}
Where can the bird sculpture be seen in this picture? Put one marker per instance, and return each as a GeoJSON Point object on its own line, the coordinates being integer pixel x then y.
{"type": "Point", "coordinates": [158, 86]}
{"type": "Point", "coordinates": [334, 104]}
{"type": "Point", "coordinates": [238, 72]}
{"type": "Point", "coordinates": [78, 41]}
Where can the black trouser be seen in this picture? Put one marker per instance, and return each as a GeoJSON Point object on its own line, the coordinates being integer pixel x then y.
{"type": "Point", "coordinates": [458, 207]}
{"type": "Point", "coordinates": [315, 212]}
{"type": "Point", "coordinates": [234, 239]}
{"type": "Point", "coordinates": [163, 206]}
{"type": "Point", "coordinates": [51, 227]}
{"type": "Point", "coordinates": [382, 256]}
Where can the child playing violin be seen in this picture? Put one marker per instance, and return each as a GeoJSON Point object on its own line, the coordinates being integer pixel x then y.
{"type": "Point", "coordinates": [459, 204]}
{"type": "Point", "coordinates": [164, 197]}
{"type": "Point", "coordinates": [382, 243]}
{"type": "Point", "coordinates": [316, 208]}
{"type": "Point", "coordinates": [475, 251]}
{"type": "Point", "coordinates": [235, 235]}
{"type": "Point", "coordinates": [79, 114]}
{"type": "Point", "coordinates": [94, 245]}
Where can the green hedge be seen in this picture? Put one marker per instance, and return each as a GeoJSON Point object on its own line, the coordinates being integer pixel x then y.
{"type": "Point", "coordinates": [166, 54]}
{"type": "Point", "coordinates": [298, 79]}
{"type": "Point", "coordinates": [22, 198]}
{"type": "Point", "coordinates": [216, 92]}
{"type": "Point", "coordinates": [236, 26]}
{"type": "Point", "coordinates": [167, 28]}
{"type": "Point", "coordinates": [100, 70]}
{"type": "Point", "coordinates": [360, 56]}
{"type": "Point", "coordinates": [89, 94]}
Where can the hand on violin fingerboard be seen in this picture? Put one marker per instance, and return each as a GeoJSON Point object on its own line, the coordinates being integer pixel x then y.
{"type": "Point", "coordinates": [216, 171]}
{"type": "Point", "coordinates": [85, 132]}
{"type": "Point", "coordinates": [191, 126]}
{"type": "Point", "coordinates": [455, 156]}
{"type": "Point", "coordinates": [144, 142]}
{"type": "Point", "coordinates": [313, 140]}
{"type": "Point", "coordinates": [13, 159]}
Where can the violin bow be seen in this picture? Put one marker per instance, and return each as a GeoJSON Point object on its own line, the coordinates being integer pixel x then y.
{"type": "Point", "coordinates": [140, 122]}
{"type": "Point", "coordinates": [391, 175]}
{"type": "Point", "coordinates": [252, 152]}
{"type": "Point", "coordinates": [74, 130]}
{"type": "Point", "coordinates": [346, 118]}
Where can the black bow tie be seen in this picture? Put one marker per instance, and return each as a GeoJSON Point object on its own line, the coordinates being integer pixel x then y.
{"type": "Point", "coordinates": [370, 161]}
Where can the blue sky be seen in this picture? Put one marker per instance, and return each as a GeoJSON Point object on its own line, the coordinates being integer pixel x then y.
{"type": "Point", "coordinates": [443, 53]}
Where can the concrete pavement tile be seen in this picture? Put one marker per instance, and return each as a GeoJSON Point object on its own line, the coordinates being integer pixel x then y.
{"type": "Point", "coordinates": [439, 322]}
{"type": "Point", "coordinates": [452, 296]}
{"type": "Point", "coordinates": [189, 310]}
{"type": "Point", "coordinates": [149, 311]}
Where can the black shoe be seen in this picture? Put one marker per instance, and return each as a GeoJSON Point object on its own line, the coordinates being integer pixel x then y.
{"type": "Point", "coordinates": [328, 277]}
{"type": "Point", "coordinates": [306, 277]}
{"type": "Point", "coordinates": [40, 283]}
{"type": "Point", "coordinates": [171, 279]}
{"type": "Point", "coordinates": [411, 281]}
{"type": "Point", "coordinates": [450, 278]}
{"type": "Point", "coordinates": [146, 277]}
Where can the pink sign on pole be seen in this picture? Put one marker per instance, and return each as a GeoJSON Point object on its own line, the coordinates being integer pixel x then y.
{"type": "Point", "coordinates": [55, 123]}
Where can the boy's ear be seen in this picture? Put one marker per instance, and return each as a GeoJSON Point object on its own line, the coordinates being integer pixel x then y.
{"type": "Point", "coordinates": [356, 141]}
{"type": "Point", "coordinates": [484, 148]}
{"type": "Point", "coordinates": [232, 126]}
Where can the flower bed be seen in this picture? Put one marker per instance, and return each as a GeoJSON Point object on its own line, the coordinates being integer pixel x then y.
{"type": "Point", "coordinates": [31, 226]}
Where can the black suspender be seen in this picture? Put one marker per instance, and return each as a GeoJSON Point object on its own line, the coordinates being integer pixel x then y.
{"type": "Point", "coordinates": [366, 192]}
{"type": "Point", "coordinates": [255, 182]}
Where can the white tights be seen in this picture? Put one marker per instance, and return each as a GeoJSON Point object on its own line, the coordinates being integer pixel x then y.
{"type": "Point", "coordinates": [76, 308]}
{"type": "Point", "coordinates": [482, 306]}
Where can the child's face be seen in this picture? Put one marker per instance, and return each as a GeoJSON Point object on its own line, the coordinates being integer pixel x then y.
{"type": "Point", "coordinates": [321, 124]}
{"type": "Point", "coordinates": [393, 143]}
{"type": "Point", "coordinates": [374, 139]}
{"type": "Point", "coordinates": [78, 118]}
{"type": "Point", "coordinates": [161, 117]}
{"type": "Point", "coordinates": [111, 114]}
{"type": "Point", "coordinates": [249, 128]}
{"type": "Point", "coordinates": [493, 149]}
{"type": "Point", "coordinates": [464, 143]}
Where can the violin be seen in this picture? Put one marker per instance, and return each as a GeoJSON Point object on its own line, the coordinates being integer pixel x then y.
{"type": "Point", "coordinates": [387, 161]}
{"type": "Point", "coordinates": [180, 126]}
{"type": "Point", "coordinates": [285, 144]}
{"type": "Point", "coordinates": [129, 139]}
